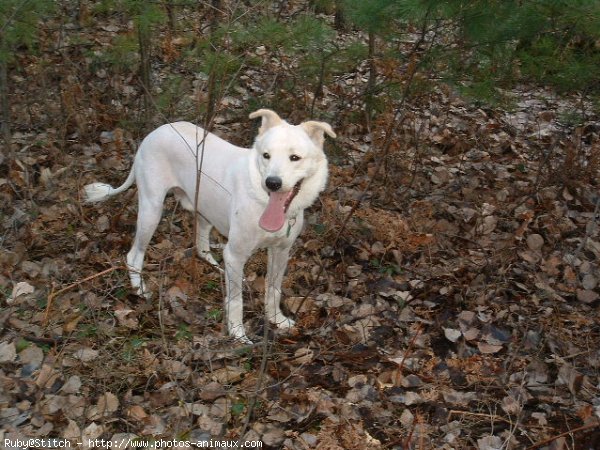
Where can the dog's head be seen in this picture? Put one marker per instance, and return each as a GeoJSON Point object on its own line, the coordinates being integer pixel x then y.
{"type": "Point", "coordinates": [291, 164]}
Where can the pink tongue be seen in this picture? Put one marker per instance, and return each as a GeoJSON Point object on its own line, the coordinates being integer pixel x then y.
{"type": "Point", "coordinates": [273, 217]}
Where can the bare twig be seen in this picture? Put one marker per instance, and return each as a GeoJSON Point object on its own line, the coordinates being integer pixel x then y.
{"type": "Point", "coordinates": [589, 426]}
{"type": "Point", "coordinates": [459, 412]}
{"type": "Point", "coordinates": [53, 294]}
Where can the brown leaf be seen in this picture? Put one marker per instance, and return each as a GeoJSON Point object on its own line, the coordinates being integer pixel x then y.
{"type": "Point", "coordinates": [86, 354]}
{"type": "Point", "coordinates": [47, 376]}
{"type": "Point", "coordinates": [153, 425]}
{"type": "Point", "coordinates": [228, 375]}
{"type": "Point", "coordinates": [452, 335]}
{"type": "Point", "coordinates": [212, 391]}
{"type": "Point", "coordinates": [72, 386]}
{"type": "Point", "coordinates": [71, 323]}
{"type": "Point", "coordinates": [108, 403]}
{"type": "Point", "coordinates": [71, 431]}
{"type": "Point", "coordinates": [126, 317]}
{"type": "Point", "coordinates": [8, 352]}
{"type": "Point", "coordinates": [136, 412]}
{"type": "Point", "coordinates": [21, 289]}
{"type": "Point", "coordinates": [486, 348]}
{"type": "Point", "coordinates": [570, 377]}
{"type": "Point", "coordinates": [176, 368]}
{"type": "Point", "coordinates": [535, 242]}
{"type": "Point", "coordinates": [587, 296]}
{"type": "Point", "coordinates": [91, 432]}
{"type": "Point", "coordinates": [32, 356]}
{"type": "Point", "coordinates": [487, 225]}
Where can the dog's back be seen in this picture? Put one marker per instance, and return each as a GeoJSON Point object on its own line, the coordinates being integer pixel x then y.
{"type": "Point", "coordinates": [176, 156]}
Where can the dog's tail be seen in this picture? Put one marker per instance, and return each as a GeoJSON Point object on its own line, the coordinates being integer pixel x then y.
{"type": "Point", "coordinates": [98, 192]}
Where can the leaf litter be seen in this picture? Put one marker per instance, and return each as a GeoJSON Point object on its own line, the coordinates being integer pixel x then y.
{"type": "Point", "coordinates": [457, 309]}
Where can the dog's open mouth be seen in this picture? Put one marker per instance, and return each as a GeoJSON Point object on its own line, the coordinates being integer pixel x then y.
{"type": "Point", "coordinates": [273, 217]}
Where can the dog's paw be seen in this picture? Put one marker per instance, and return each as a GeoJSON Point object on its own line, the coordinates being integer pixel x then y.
{"type": "Point", "coordinates": [285, 323]}
{"type": "Point", "coordinates": [242, 339]}
{"type": "Point", "coordinates": [143, 292]}
{"type": "Point", "coordinates": [239, 334]}
{"type": "Point", "coordinates": [208, 257]}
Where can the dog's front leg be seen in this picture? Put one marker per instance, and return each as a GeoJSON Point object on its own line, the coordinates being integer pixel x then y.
{"type": "Point", "coordinates": [276, 265]}
{"type": "Point", "coordinates": [235, 260]}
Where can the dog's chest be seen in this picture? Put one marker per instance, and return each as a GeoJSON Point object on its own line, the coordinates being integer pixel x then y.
{"type": "Point", "coordinates": [283, 237]}
{"type": "Point", "coordinates": [277, 239]}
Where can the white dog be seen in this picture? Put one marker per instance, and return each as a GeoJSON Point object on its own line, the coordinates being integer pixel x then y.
{"type": "Point", "coordinates": [255, 197]}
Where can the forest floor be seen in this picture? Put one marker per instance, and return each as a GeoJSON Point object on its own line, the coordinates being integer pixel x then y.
{"type": "Point", "coordinates": [445, 287]}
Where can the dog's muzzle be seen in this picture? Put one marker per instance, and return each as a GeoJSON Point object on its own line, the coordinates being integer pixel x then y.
{"type": "Point", "coordinates": [273, 183]}
{"type": "Point", "coordinates": [273, 217]}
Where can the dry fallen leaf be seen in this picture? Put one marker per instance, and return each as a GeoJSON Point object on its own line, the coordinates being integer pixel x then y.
{"type": "Point", "coordinates": [587, 296]}
{"type": "Point", "coordinates": [86, 354]}
{"type": "Point", "coordinates": [136, 412]}
{"type": "Point", "coordinates": [126, 317]}
{"type": "Point", "coordinates": [535, 242]}
{"type": "Point", "coordinates": [486, 348]}
{"type": "Point", "coordinates": [72, 386]}
{"type": "Point", "coordinates": [8, 352]}
{"type": "Point", "coordinates": [569, 376]}
{"type": "Point", "coordinates": [452, 335]}
{"type": "Point", "coordinates": [228, 375]}
{"type": "Point", "coordinates": [22, 288]}
{"type": "Point", "coordinates": [90, 433]}
{"type": "Point", "coordinates": [490, 443]}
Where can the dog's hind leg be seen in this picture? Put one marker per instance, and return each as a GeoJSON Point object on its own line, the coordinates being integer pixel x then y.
{"type": "Point", "coordinates": [276, 265]}
{"type": "Point", "coordinates": [203, 228]}
{"type": "Point", "coordinates": [149, 215]}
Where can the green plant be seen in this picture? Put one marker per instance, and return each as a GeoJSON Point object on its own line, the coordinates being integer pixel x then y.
{"type": "Point", "coordinates": [215, 314]}
{"type": "Point", "coordinates": [385, 268]}
{"type": "Point", "coordinates": [87, 330]}
{"type": "Point", "coordinates": [238, 408]}
{"type": "Point", "coordinates": [131, 348]}
{"type": "Point", "coordinates": [5, 291]}
{"type": "Point", "coordinates": [171, 93]}
{"type": "Point", "coordinates": [211, 285]}
{"type": "Point", "coordinates": [122, 55]}
{"type": "Point", "coordinates": [146, 16]}
{"type": "Point", "coordinates": [22, 344]}
{"type": "Point", "coordinates": [482, 46]}
{"type": "Point", "coordinates": [183, 333]}
{"type": "Point", "coordinates": [19, 22]}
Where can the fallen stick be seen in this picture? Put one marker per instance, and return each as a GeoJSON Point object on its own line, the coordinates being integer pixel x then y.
{"type": "Point", "coordinates": [71, 286]}
{"type": "Point", "coordinates": [482, 415]}
{"type": "Point", "coordinates": [589, 426]}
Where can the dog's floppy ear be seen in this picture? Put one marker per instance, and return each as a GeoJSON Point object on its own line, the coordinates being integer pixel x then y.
{"type": "Point", "coordinates": [269, 119]}
{"type": "Point", "coordinates": [316, 129]}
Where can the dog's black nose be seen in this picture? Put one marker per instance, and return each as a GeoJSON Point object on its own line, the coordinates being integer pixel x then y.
{"type": "Point", "coordinates": [273, 183]}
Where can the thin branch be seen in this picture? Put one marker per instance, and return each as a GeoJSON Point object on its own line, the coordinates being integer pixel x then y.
{"type": "Point", "coordinates": [53, 294]}
{"type": "Point", "coordinates": [589, 426]}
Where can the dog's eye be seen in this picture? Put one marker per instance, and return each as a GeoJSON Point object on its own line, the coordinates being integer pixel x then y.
{"type": "Point", "coordinates": [294, 158]}
{"type": "Point", "coordinates": [266, 155]}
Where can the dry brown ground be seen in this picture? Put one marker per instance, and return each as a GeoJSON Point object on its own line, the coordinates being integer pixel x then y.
{"type": "Point", "coordinates": [451, 277]}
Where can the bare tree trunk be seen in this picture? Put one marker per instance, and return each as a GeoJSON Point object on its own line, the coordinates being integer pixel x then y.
{"type": "Point", "coordinates": [216, 10]}
{"type": "Point", "coordinates": [170, 8]}
{"type": "Point", "coordinates": [5, 107]}
{"type": "Point", "coordinates": [144, 44]}
{"type": "Point", "coordinates": [372, 74]}
{"type": "Point", "coordinates": [212, 93]}
{"type": "Point", "coordinates": [339, 20]}
{"type": "Point", "coordinates": [212, 76]}
{"type": "Point", "coordinates": [318, 92]}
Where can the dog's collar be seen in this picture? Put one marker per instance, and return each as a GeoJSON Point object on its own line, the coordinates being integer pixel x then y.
{"type": "Point", "coordinates": [291, 223]}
